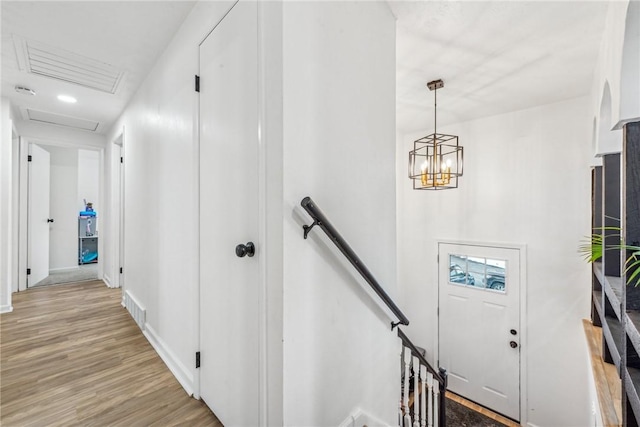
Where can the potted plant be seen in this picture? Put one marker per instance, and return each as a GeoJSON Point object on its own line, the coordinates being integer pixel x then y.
{"type": "Point", "coordinates": [593, 249]}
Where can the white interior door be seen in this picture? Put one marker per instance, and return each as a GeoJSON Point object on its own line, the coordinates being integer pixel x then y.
{"type": "Point", "coordinates": [39, 188]}
{"type": "Point", "coordinates": [229, 339]}
{"type": "Point", "coordinates": [479, 322]}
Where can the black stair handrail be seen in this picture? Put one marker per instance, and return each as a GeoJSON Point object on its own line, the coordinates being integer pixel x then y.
{"type": "Point", "coordinates": [440, 375]}
{"type": "Point", "coordinates": [321, 220]}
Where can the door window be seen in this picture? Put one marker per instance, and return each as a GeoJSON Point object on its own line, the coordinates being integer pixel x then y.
{"type": "Point", "coordinates": [484, 273]}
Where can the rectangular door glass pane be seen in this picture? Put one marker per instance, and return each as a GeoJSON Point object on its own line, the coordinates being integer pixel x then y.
{"type": "Point", "coordinates": [477, 272]}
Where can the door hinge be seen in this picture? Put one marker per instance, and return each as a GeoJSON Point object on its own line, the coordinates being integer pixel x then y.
{"type": "Point", "coordinates": [197, 359]}
{"type": "Point", "coordinates": [120, 270]}
{"type": "Point", "coordinates": [197, 83]}
{"type": "Point", "coordinates": [121, 160]}
{"type": "Point", "coordinates": [28, 271]}
{"type": "Point", "coordinates": [29, 158]}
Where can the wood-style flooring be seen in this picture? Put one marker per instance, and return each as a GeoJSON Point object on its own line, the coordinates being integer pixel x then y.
{"type": "Point", "coordinates": [70, 355]}
{"type": "Point", "coordinates": [607, 381]}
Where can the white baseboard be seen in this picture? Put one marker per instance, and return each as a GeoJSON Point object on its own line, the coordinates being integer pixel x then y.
{"type": "Point", "coordinates": [6, 308]}
{"type": "Point", "coordinates": [107, 280]}
{"type": "Point", "coordinates": [358, 417]}
{"type": "Point", "coordinates": [182, 374]}
{"type": "Point", "coordinates": [64, 269]}
{"type": "Point", "coordinates": [136, 310]}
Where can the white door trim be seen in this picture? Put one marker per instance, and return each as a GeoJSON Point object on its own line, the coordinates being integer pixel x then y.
{"type": "Point", "coordinates": [524, 348]}
{"type": "Point", "coordinates": [23, 188]}
{"type": "Point", "coordinates": [270, 212]}
{"type": "Point", "coordinates": [116, 223]}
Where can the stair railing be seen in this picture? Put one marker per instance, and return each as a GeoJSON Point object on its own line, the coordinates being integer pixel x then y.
{"type": "Point", "coordinates": [425, 407]}
{"type": "Point", "coordinates": [321, 221]}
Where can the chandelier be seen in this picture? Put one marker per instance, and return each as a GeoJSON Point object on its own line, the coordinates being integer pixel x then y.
{"type": "Point", "coordinates": [435, 163]}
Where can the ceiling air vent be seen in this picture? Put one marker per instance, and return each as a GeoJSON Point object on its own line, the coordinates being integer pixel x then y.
{"type": "Point", "coordinates": [57, 119]}
{"type": "Point", "coordinates": [39, 58]}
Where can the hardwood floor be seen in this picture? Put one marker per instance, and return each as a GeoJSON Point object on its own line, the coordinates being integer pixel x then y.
{"type": "Point", "coordinates": [605, 375]}
{"type": "Point", "coordinates": [70, 355]}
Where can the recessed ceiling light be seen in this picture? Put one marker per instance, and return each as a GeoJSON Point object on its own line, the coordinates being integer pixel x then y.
{"type": "Point", "coordinates": [67, 98]}
{"type": "Point", "coordinates": [25, 90]}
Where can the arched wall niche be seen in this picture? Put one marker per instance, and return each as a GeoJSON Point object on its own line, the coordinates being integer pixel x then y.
{"type": "Point", "coordinates": [630, 68]}
{"type": "Point", "coordinates": [608, 141]}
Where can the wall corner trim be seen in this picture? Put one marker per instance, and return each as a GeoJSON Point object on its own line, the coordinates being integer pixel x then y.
{"type": "Point", "coordinates": [182, 374]}
{"type": "Point", "coordinates": [6, 308]}
{"type": "Point", "coordinates": [107, 281]}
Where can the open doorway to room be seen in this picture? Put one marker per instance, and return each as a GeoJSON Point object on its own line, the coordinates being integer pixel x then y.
{"type": "Point", "coordinates": [63, 195]}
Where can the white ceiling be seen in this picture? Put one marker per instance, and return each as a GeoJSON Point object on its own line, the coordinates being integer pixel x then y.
{"type": "Point", "coordinates": [493, 56]}
{"type": "Point", "coordinates": [124, 34]}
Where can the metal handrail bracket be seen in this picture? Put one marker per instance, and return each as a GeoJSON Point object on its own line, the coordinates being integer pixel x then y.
{"type": "Point", "coordinates": [320, 220]}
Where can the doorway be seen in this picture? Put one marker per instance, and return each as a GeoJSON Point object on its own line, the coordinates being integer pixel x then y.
{"type": "Point", "coordinates": [63, 194]}
{"type": "Point", "coordinates": [114, 267]}
{"type": "Point", "coordinates": [229, 271]}
{"type": "Point", "coordinates": [480, 332]}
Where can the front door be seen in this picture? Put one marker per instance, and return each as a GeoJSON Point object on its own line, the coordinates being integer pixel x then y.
{"type": "Point", "coordinates": [38, 228]}
{"type": "Point", "coordinates": [479, 324]}
{"type": "Point", "coordinates": [229, 274]}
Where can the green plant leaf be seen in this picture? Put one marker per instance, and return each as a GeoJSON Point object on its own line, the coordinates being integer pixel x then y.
{"type": "Point", "coordinates": [633, 265]}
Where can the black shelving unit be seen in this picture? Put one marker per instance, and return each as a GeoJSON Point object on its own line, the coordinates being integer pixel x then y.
{"type": "Point", "coordinates": [615, 305]}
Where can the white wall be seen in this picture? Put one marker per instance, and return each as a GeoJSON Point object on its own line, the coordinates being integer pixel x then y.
{"type": "Point", "coordinates": [63, 239]}
{"type": "Point", "coordinates": [526, 181]}
{"type": "Point", "coordinates": [6, 209]}
{"type": "Point", "coordinates": [615, 75]}
{"type": "Point", "coordinates": [59, 135]}
{"type": "Point", "coordinates": [88, 180]}
{"type": "Point", "coordinates": [630, 66]}
{"type": "Point", "coordinates": [339, 128]}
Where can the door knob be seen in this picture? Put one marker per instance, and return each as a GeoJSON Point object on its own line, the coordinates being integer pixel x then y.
{"type": "Point", "coordinates": [249, 249]}
{"type": "Point", "coordinates": [513, 344]}
{"type": "Point", "coordinates": [50, 220]}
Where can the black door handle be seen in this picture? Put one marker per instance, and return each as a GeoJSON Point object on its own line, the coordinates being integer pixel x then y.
{"type": "Point", "coordinates": [513, 344]}
{"type": "Point", "coordinates": [249, 249]}
{"type": "Point", "coordinates": [50, 220]}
